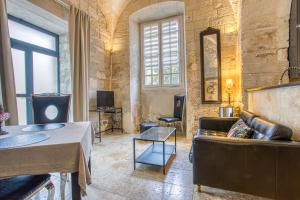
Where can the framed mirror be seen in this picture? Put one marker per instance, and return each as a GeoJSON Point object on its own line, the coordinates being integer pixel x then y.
{"type": "Point", "coordinates": [210, 50]}
{"type": "Point", "coordinates": [294, 42]}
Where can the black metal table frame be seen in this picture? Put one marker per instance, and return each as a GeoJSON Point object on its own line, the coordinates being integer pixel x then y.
{"type": "Point", "coordinates": [112, 128]}
{"type": "Point", "coordinates": [163, 153]}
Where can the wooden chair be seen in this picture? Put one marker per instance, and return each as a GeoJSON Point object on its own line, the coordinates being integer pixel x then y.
{"type": "Point", "coordinates": [40, 104]}
{"type": "Point", "coordinates": [25, 187]}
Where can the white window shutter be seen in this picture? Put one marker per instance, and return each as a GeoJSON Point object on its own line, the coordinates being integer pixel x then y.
{"type": "Point", "coordinates": [170, 52]}
{"type": "Point", "coordinates": [151, 54]}
{"type": "Point", "coordinates": [161, 53]}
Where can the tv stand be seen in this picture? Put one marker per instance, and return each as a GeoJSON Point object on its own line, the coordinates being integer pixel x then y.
{"type": "Point", "coordinates": [113, 111]}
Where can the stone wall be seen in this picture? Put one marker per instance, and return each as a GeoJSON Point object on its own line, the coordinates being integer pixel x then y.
{"type": "Point", "coordinates": [279, 105]}
{"type": "Point", "coordinates": [65, 68]}
{"type": "Point", "coordinates": [264, 42]}
{"type": "Point", "coordinates": [199, 14]}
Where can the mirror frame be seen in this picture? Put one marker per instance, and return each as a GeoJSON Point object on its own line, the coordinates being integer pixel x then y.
{"type": "Point", "coordinates": [210, 31]}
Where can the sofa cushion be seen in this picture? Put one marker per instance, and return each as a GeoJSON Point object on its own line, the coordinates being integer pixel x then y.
{"type": "Point", "coordinates": [222, 124]}
{"type": "Point", "coordinates": [267, 130]}
{"type": "Point", "coordinates": [241, 130]}
{"type": "Point", "coordinates": [247, 117]}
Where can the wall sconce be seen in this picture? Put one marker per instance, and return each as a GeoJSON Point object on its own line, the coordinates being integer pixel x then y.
{"type": "Point", "coordinates": [229, 86]}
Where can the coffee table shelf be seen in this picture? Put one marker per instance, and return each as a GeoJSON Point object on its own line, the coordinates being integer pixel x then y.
{"type": "Point", "coordinates": [153, 155]}
{"type": "Point", "coordinates": [158, 153]}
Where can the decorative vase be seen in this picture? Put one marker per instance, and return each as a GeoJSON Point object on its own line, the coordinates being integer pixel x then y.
{"type": "Point", "coordinates": [3, 117]}
{"type": "Point", "coordinates": [226, 111]}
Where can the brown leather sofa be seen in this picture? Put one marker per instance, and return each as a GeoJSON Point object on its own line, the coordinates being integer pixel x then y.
{"type": "Point", "coordinates": [266, 165]}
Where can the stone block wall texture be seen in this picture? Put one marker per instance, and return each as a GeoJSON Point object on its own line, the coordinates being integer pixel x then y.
{"type": "Point", "coordinates": [264, 42]}
{"type": "Point", "coordinates": [64, 61]}
{"type": "Point", "coordinates": [278, 105]}
{"type": "Point", "coordinates": [199, 14]}
{"type": "Point", "coordinates": [220, 14]}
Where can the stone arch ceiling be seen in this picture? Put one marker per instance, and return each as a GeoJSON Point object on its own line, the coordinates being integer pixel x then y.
{"type": "Point", "coordinates": [112, 9]}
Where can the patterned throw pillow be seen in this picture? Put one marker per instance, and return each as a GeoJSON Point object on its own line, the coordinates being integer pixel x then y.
{"type": "Point", "coordinates": [240, 130]}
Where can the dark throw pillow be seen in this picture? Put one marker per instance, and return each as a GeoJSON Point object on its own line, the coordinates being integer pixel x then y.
{"type": "Point", "coordinates": [240, 130]}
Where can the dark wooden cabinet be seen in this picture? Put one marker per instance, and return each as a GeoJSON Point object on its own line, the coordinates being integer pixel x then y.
{"type": "Point", "coordinates": [294, 42]}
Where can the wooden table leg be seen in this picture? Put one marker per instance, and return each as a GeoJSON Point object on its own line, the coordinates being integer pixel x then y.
{"type": "Point", "coordinates": [75, 187]}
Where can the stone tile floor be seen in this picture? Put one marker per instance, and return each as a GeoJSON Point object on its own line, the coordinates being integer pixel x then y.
{"type": "Point", "coordinates": [114, 178]}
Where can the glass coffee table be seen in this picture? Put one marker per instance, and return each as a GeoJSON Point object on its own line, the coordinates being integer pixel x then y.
{"type": "Point", "coordinates": [158, 153]}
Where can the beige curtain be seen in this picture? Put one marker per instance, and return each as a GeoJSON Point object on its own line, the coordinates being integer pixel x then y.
{"type": "Point", "coordinates": [79, 33]}
{"type": "Point", "coordinates": [6, 68]}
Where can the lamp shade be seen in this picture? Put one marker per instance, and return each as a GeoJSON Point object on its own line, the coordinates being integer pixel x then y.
{"type": "Point", "coordinates": [229, 83]}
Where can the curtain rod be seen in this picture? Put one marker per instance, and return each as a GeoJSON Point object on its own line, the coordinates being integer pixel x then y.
{"type": "Point", "coordinates": [63, 3]}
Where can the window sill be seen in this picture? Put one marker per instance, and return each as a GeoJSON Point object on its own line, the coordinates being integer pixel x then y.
{"type": "Point", "coordinates": [175, 87]}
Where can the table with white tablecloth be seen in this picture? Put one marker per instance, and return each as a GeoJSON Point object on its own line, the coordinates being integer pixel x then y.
{"type": "Point", "coordinates": [67, 150]}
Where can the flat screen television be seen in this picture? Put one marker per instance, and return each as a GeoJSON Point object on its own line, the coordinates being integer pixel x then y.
{"type": "Point", "coordinates": [105, 99]}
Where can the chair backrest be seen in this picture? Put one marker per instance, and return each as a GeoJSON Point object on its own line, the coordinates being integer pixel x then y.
{"type": "Point", "coordinates": [179, 101]}
{"type": "Point", "coordinates": [50, 108]}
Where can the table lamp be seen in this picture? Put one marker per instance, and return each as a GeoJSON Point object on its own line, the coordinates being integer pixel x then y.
{"type": "Point", "coordinates": [227, 111]}
{"type": "Point", "coordinates": [229, 85]}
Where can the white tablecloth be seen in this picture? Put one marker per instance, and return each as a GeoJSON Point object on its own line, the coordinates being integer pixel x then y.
{"type": "Point", "coordinates": [67, 150]}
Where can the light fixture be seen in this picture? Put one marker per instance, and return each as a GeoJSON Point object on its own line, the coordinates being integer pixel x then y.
{"type": "Point", "coordinates": [227, 111]}
{"type": "Point", "coordinates": [229, 86]}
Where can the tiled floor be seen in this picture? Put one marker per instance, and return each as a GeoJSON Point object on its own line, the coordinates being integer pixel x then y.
{"type": "Point", "coordinates": [114, 178]}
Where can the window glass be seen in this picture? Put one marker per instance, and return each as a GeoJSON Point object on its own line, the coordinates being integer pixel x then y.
{"type": "Point", "coordinates": [18, 57]}
{"type": "Point", "coordinates": [170, 49]}
{"type": "Point", "coordinates": [44, 73]}
{"type": "Point", "coordinates": [22, 110]}
{"type": "Point", "coordinates": [26, 34]}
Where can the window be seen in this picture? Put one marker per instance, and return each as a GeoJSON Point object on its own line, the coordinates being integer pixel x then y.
{"type": "Point", "coordinates": [35, 57]}
{"type": "Point", "coordinates": [161, 53]}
